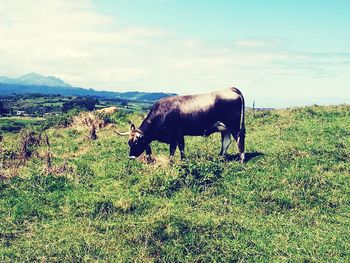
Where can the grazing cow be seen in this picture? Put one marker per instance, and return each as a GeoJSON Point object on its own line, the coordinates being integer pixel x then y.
{"type": "Point", "coordinates": [171, 118]}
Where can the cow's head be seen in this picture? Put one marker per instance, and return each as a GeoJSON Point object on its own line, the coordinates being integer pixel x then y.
{"type": "Point", "coordinates": [137, 142]}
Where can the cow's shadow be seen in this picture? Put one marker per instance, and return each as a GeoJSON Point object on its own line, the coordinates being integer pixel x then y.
{"type": "Point", "coordinates": [248, 156]}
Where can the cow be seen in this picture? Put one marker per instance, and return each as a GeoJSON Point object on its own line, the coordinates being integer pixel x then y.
{"type": "Point", "coordinates": [172, 118]}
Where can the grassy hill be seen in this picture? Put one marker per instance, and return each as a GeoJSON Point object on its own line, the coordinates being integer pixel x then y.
{"type": "Point", "coordinates": [289, 202]}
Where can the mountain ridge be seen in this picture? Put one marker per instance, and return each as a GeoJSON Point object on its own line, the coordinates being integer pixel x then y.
{"type": "Point", "coordinates": [35, 79]}
{"type": "Point", "coordinates": [8, 89]}
{"type": "Point", "coordinates": [37, 83]}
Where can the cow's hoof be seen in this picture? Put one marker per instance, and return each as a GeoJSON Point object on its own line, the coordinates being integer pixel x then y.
{"type": "Point", "coordinates": [242, 158]}
{"type": "Point", "coordinates": [222, 156]}
{"type": "Point", "coordinates": [184, 158]}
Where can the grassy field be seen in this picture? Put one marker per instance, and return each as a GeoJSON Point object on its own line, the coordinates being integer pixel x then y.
{"type": "Point", "coordinates": [289, 202]}
{"type": "Point", "coordinates": [15, 124]}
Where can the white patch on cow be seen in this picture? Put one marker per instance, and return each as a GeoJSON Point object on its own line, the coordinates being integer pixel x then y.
{"type": "Point", "coordinates": [198, 103]}
{"type": "Point", "coordinates": [134, 135]}
{"type": "Point", "coordinates": [203, 102]}
{"type": "Point", "coordinates": [220, 127]}
{"type": "Point", "coordinates": [227, 94]}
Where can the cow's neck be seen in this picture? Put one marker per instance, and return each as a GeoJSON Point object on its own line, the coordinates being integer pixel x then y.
{"type": "Point", "coordinates": [147, 127]}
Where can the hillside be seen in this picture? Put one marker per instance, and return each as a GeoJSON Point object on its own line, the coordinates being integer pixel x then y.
{"type": "Point", "coordinates": [289, 202]}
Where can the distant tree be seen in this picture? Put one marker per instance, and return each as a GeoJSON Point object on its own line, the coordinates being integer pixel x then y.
{"type": "Point", "coordinates": [80, 103]}
{"type": "Point", "coordinates": [3, 110]}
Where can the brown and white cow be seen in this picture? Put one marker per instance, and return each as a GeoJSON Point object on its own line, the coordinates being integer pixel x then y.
{"type": "Point", "coordinates": [172, 118]}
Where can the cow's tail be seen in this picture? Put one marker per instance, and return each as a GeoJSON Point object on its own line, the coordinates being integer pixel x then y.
{"type": "Point", "coordinates": [242, 131]}
{"type": "Point", "coordinates": [242, 122]}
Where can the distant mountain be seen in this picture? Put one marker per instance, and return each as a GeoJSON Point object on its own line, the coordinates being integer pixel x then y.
{"type": "Point", "coordinates": [35, 79]}
{"type": "Point", "coordinates": [36, 83]}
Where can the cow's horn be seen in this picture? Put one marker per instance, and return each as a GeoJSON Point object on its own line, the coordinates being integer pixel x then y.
{"type": "Point", "coordinates": [122, 133]}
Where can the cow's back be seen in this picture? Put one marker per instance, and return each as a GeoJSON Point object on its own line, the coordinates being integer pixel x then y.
{"type": "Point", "coordinates": [192, 104]}
{"type": "Point", "coordinates": [193, 114]}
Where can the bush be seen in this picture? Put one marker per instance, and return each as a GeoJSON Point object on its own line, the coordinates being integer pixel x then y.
{"type": "Point", "coordinates": [12, 126]}
{"type": "Point", "coordinates": [3, 110]}
{"type": "Point", "coordinates": [105, 117]}
{"type": "Point", "coordinates": [119, 117]}
{"type": "Point", "coordinates": [61, 121]}
{"type": "Point", "coordinates": [80, 103]}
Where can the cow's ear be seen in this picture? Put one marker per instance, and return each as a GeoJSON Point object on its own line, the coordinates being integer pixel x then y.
{"type": "Point", "coordinates": [133, 127]}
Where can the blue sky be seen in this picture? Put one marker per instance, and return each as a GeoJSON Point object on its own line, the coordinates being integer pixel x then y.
{"type": "Point", "coordinates": [315, 25]}
{"type": "Point", "coordinates": [279, 53]}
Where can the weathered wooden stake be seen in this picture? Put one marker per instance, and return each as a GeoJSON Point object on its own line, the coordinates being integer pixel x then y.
{"type": "Point", "coordinates": [93, 135]}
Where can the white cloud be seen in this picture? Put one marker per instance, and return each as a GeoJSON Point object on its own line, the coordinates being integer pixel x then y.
{"type": "Point", "coordinates": [69, 39]}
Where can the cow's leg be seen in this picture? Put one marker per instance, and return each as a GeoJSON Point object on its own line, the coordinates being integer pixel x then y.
{"type": "Point", "coordinates": [240, 139]}
{"type": "Point", "coordinates": [225, 142]}
{"type": "Point", "coordinates": [149, 153]}
{"type": "Point", "coordinates": [225, 136]}
{"type": "Point", "coordinates": [173, 146]}
{"type": "Point", "coordinates": [240, 143]}
{"type": "Point", "coordinates": [181, 144]}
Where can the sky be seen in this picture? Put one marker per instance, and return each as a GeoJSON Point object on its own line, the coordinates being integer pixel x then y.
{"type": "Point", "coordinates": [279, 53]}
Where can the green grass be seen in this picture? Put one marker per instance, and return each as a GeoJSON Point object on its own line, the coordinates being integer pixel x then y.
{"type": "Point", "coordinates": [16, 124]}
{"type": "Point", "coordinates": [290, 202]}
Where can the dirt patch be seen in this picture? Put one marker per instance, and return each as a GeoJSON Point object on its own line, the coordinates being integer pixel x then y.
{"type": "Point", "coordinates": [87, 119]}
{"type": "Point", "coordinates": [108, 110]}
{"type": "Point", "coordinates": [155, 161]}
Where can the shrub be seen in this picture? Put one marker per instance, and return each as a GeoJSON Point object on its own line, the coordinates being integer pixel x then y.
{"type": "Point", "coordinates": [61, 121]}
{"type": "Point", "coordinates": [12, 126]}
{"type": "Point", "coordinates": [80, 103]}
{"type": "Point", "coordinates": [105, 117]}
{"type": "Point", "coordinates": [120, 117]}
